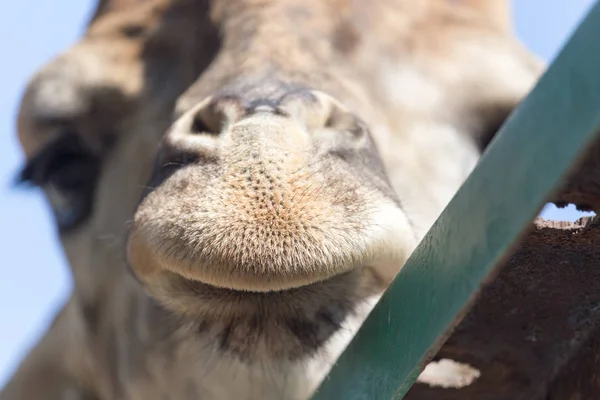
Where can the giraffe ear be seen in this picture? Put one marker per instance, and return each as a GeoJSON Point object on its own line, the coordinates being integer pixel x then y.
{"type": "Point", "coordinates": [107, 6]}
{"type": "Point", "coordinates": [496, 11]}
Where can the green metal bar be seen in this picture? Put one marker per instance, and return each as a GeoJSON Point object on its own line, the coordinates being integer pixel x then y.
{"type": "Point", "coordinates": [533, 150]}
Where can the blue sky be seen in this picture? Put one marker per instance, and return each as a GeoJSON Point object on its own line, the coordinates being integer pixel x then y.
{"type": "Point", "coordinates": [35, 279]}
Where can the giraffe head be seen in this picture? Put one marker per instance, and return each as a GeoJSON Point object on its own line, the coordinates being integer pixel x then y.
{"type": "Point", "coordinates": [262, 168]}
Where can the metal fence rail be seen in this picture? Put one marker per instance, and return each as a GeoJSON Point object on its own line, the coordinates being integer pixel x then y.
{"type": "Point", "coordinates": [541, 140]}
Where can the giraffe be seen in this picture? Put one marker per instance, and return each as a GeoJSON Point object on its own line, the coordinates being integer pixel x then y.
{"type": "Point", "coordinates": [264, 169]}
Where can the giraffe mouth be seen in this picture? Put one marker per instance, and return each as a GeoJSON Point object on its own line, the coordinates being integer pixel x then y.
{"type": "Point", "coordinates": [263, 237]}
{"type": "Point", "coordinates": [230, 253]}
{"type": "Point", "coordinates": [273, 208]}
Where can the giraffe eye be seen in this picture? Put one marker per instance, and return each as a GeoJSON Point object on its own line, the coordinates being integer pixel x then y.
{"type": "Point", "coordinates": [67, 172]}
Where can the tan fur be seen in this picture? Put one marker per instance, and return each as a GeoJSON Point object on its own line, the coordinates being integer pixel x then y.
{"type": "Point", "coordinates": [300, 150]}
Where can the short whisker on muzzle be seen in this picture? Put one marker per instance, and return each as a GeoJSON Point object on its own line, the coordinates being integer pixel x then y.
{"type": "Point", "coordinates": [309, 165]}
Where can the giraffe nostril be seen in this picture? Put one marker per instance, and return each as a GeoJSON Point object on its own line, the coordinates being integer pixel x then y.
{"type": "Point", "coordinates": [212, 114]}
{"type": "Point", "coordinates": [199, 126]}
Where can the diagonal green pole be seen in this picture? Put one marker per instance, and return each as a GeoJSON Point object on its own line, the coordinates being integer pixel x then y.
{"type": "Point", "coordinates": [533, 150]}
